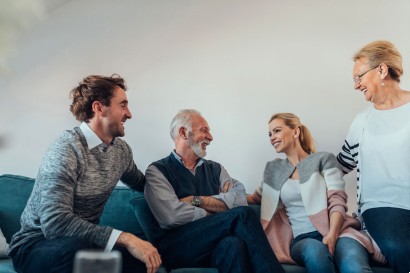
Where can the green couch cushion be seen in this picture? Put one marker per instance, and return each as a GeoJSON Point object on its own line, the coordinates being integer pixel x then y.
{"type": "Point", "coordinates": [6, 266]}
{"type": "Point", "coordinates": [119, 214]}
{"type": "Point", "coordinates": [145, 218]}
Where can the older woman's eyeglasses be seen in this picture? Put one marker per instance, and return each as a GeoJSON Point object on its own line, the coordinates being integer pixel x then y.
{"type": "Point", "coordinates": [358, 78]}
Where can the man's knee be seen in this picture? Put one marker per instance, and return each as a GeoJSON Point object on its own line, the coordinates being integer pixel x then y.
{"type": "Point", "coordinates": [231, 243]}
{"type": "Point", "coordinates": [244, 212]}
{"type": "Point", "coordinates": [64, 257]}
{"type": "Point", "coordinates": [56, 255]}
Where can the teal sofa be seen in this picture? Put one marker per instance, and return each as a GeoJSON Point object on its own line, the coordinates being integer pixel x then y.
{"type": "Point", "coordinates": [125, 210]}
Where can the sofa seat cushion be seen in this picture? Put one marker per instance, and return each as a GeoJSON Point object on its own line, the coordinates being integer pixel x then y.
{"type": "Point", "coordinates": [195, 270]}
{"type": "Point", "coordinates": [6, 266]}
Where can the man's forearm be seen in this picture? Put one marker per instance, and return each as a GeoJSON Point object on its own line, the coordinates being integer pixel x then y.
{"type": "Point", "coordinates": [209, 203]}
{"type": "Point", "coordinates": [213, 205]}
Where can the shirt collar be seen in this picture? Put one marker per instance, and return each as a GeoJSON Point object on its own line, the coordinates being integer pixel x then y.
{"type": "Point", "coordinates": [198, 163]}
{"type": "Point", "coordinates": [92, 139]}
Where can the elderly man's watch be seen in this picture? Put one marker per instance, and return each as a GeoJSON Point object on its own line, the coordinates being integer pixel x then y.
{"type": "Point", "coordinates": [197, 201]}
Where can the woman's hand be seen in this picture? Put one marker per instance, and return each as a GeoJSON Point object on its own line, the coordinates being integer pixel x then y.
{"type": "Point", "coordinates": [254, 198]}
{"type": "Point", "coordinates": [330, 240]}
{"type": "Point", "coordinates": [336, 221]}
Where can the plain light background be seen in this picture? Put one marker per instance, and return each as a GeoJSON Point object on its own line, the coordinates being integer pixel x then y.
{"type": "Point", "coordinates": [236, 61]}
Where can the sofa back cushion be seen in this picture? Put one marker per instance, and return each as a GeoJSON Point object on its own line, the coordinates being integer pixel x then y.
{"type": "Point", "coordinates": [119, 214]}
{"type": "Point", "coordinates": [148, 223]}
{"type": "Point", "coordinates": [14, 193]}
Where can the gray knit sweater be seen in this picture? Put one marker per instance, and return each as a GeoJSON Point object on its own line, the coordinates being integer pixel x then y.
{"type": "Point", "coordinates": [72, 187]}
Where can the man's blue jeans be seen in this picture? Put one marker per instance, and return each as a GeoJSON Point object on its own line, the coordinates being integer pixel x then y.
{"type": "Point", "coordinates": [309, 251]}
{"type": "Point", "coordinates": [232, 241]}
{"type": "Point", "coordinates": [57, 256]}
{"type": "Point", "coordinates": [390, 228]}
{"type": "Point", "coordinates": [48, 256]}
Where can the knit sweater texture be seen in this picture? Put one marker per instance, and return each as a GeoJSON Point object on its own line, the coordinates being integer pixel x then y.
{"type": "Point", "coordinates": [71, 189]}
{"type": "Point", "coordinates": [323, 193]}
{"type": "Point", "coordinates": [205, 182]}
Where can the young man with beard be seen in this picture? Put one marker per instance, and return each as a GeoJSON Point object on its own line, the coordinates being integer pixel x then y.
{"type": "Point", "coordinates": [202, 210]}
{"type": "Point", "coordinates": [74, 181]}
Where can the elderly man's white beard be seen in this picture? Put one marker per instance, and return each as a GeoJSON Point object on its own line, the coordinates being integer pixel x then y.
{"type": "Point", "coordinates": [197, 146]}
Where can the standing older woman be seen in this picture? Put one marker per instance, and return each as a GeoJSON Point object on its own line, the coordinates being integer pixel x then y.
{"type": "Point", "coordinates": [378, 145]}
{"type": "Point", "coordinates": [304, 204]}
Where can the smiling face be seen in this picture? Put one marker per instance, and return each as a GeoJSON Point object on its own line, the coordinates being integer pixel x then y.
{"type": "Point", "coordinates": [367, 79]}
{"type": "Point", "coordinates": [200, 136]}
{"type": "Point", "coordinates": [116, 114]}
{"type": "Point", "coordinates": [282, 137]}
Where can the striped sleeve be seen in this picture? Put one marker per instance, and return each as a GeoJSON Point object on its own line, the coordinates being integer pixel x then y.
{"type": "Point", "coordinates": [346, 157]}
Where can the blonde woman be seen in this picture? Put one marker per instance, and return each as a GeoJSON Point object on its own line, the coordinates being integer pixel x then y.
{"type": "Point", "coordinates": [304, 207]}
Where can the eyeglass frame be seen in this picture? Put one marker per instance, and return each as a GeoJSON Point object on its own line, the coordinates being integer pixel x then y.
{"type": "Point", "coordinates": [358, 78]}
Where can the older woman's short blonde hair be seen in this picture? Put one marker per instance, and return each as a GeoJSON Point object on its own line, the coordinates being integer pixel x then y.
{"type": "Point", "coordinates": [381, 51]}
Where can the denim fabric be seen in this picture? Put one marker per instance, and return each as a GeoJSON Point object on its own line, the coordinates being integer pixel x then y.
{"type": "Point", "coordinates": [49, 256]}
{"type": "Point", "coordinates": [351, 257]}
{"type": "Point", "coordinates": [232, 241]}
{"type": "Point", "coordinates": [57, 256]}
{"type": "Point", "coordinates": [308, 250]}
{"type": "Point", "coordinates": [129, 263]}
{"type": "Point", "coordinates": [236, 247]}
{"type": "Point", "coordinates": [390, 228]}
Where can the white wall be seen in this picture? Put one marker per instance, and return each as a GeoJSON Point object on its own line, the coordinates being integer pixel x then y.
{"type": "Point", "coordinates": [236, 61]}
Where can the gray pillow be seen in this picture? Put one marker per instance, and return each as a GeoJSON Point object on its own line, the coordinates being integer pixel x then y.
{"type": "Point", "coordinates": [3, 246]}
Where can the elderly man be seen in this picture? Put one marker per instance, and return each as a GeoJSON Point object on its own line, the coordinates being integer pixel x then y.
{"type": "Point", "coordinates": [203, 210]}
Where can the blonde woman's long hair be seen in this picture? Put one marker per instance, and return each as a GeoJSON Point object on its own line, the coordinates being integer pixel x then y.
{"type": "Point", "coordinates": [305, 137]}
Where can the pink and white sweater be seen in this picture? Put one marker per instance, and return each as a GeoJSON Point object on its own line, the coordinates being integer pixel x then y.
{"type": "Point", "coordinates": [323, 192]}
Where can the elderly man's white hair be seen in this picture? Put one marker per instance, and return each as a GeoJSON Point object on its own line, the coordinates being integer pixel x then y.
{"type": "Point", "coordinates": [182, 119]}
